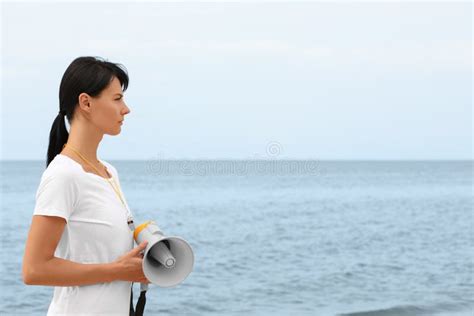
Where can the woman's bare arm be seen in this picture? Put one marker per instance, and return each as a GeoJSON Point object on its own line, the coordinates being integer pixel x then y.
{"type": "Point", "coordinates": [40, 267]}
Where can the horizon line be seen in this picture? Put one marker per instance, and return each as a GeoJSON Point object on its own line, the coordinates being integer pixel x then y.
{"type": "Point", "coordinates": [276, 159]}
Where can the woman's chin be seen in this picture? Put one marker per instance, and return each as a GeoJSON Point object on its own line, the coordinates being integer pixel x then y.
{"type": "Point", "coordinates": [115, 131]}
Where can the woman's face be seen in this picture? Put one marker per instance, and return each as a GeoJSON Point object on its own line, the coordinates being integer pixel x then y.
{"type": "Point", "coordinates": [109, 109]}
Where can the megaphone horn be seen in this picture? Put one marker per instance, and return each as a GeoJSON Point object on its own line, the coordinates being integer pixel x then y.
{"type": "Point", "coordinates": [167, 260]}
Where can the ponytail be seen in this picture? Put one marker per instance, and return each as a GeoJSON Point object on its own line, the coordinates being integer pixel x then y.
{"type": "Point", "coordinates": [57, 137]}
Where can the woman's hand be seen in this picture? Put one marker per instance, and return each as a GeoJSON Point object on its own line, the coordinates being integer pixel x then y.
{"type": "Point", "coordinates": [130, 265]}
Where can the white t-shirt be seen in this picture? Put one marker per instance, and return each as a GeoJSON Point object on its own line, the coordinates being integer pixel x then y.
{"type": "Point", "coordinates": [96, 232]}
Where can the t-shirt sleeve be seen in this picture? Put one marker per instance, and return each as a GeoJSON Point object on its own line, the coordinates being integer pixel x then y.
{"type": "Point", "coordinates": [56, 195]}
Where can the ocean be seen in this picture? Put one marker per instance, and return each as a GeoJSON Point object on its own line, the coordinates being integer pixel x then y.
{"type": "Point", "coordinates": [284, 237]}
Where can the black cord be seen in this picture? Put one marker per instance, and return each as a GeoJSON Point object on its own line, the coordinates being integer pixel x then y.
{"type": "Point", "coordinates": [132, 312]}
{"type": "Point", "coordinates": [140, 308]}
{"type": "Point", "coordinates": [140, 304]}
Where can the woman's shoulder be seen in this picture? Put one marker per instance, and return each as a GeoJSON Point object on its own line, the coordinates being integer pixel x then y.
{"type": "Point", "coordinates": [61, 166]}
{"type": "Point", "coordinates": [110, 167]}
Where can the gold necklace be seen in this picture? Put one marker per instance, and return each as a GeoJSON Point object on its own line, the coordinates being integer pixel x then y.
{"type": "Point", "coordinates": [108, 180]}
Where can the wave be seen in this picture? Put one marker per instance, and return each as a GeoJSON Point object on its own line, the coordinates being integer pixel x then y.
{"type": "Point", "coordinates": [413, 310]}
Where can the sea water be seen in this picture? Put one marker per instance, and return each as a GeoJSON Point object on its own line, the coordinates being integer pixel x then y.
{"type": "Point", "coordinates": [284, 237]}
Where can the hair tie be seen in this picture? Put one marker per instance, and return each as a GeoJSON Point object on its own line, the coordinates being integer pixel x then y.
{"type": "Point", "coordinates": [62, 112]}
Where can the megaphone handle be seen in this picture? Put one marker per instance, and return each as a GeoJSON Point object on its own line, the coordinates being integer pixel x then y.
{"type": "Point", "coordinates": [143, 287]}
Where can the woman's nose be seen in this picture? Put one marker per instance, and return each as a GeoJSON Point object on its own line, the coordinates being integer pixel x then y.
{"type": "Point", "coordinates": [126, 110]}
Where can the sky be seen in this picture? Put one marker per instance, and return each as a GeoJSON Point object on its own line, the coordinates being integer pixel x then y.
{"type": "Point", "coordinates": [338, 80]}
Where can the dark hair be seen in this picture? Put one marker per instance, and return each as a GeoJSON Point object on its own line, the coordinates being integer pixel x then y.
{"type": "Point", "coordinates": [85, 74]}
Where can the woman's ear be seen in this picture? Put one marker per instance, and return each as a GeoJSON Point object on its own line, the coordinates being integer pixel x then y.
{"type": "Point", "coordinates": [84, 102]}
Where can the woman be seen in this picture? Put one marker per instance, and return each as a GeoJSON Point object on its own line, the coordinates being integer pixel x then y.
{"type": "Point", "coordinates": [81, 238]}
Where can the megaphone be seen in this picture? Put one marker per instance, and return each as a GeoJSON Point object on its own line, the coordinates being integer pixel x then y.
{"type": "Point", "coordinates": [167, 261]}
